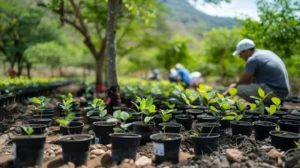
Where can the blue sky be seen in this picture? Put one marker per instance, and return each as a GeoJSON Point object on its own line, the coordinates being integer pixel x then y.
{"type": "Point", "coordinates": [236, 8]}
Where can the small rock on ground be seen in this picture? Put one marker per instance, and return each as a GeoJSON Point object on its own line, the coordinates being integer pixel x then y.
{"type": "Point", "coordinates": [234, 155]}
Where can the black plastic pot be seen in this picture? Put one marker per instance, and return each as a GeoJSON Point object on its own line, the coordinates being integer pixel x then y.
{"type": "Point", "coordinates": [289, 125]}
{"type": "Point", "coordinates": [224, 124]}
{"type": "Point", "coordinates": [209, 127]}
{"type": "Point", "coordinates": [28, 150]}
{"type": "Point", "coordinates": [194, 112]}
{"type": "Point", "coordinates": [43, 116]}
{"type": "Point", "coordinates": [93, 119]}
{"type": "Point", "coordinates": [131, 120]}
{"type": "Point", "coordinates": [102, 130]}
{"type": "Point", "coordinates": [145, 130]}
{"type": "Point", "coordinates": [157, 119]}
{"type": "Point", "coordinates": [252, 113]}
{"type": "Point", "coordinates": [262, 129]}
{"type": "Point", "coordinates": [75, 127]}
{"type": "Point", "coordinates": [170, 127]}
{"type": "Point", "coordinates": [291, 117]}
{"type": "Point", "coordinates": [185, 120]}
{"type": "Point", "coordinates": [296, 114]}
{"type": "Point", "coordinates": [241, 127]}
{"type": "Point", "coordinates": [76, 148]}
{"type": "Point", "coordinates": [206, 118]}
{"type": "Point", "coordinates": [175, 113]}
{"type": "Point", "coordinates": [37, 128]}
{"type": "Point", "coordinates": [269, 118]}
{"type": "Point", "coordinates": [204, 144]}
{"type": "Point", "coordinates": [246, 118]}
{"type": "Point", "coordinates": [166, 147]}
{"type": "Point", "coordinates": [124, 146]}
{"type": "Point", "coordinates": [46, 121]}
{"type": "Point", "coordinates": [280, 114]}
{"type": "Point", "coordinates": [284, 140]}
{"type": "Point", "coordinates": [255, 118]}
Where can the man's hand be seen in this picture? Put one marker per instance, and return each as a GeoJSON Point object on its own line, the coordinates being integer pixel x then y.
{"type": "Point", "coordinates": [233, 85]}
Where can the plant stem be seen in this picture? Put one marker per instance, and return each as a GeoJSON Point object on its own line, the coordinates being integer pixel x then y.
{"type": "Point", "coordinates": [212, 128]}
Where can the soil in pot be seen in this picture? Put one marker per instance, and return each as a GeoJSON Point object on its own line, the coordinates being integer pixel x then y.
{"type": "Point", "coordinates": [46, 121]}
{"type": "Point", "coordinates": [204, 144]}
{"type": "Point", "coordinates": [102, 130]}
{"type": "Point", "coordinates": [241, 127]}
{"type": "Point", "coordinates": [28, 150]}
{"type": "Point", "coordinates": [170, 127]}
{"type": "Point", "coordinates": [124, 146]}
{"type": "Point", "coordinates": [166, 147]}
{"type": "Point", "coordinates": [262, 129]}
{"type": "Point", "coordinates": [185, 120]}
{"type": "Point", "coordinates": [291, 117]}
{"type": "Point", "coordinates": [37, 128]}
{"type": "Point", "coordinates": [269, 118]}
{"type": "Point", "coordinates": [289, 125]}
{"type": "Point", "coordinates": [76, 148]}
{"type": "Point", "coordinates": [75, 127]}
{"type": "Point", "coordinates": [209, 127]}
{"type": "Point", "coordinates": [145, 130]}
{"type": "Point", "coordinates": [206, 118]}
{"type": "Point", "coordinates": [194, 112]}
{"type": "Point", "coordinates": [284, 140]}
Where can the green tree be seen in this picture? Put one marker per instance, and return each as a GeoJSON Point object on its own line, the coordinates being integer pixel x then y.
{"type": "Point", "coordinates": [217, 47]}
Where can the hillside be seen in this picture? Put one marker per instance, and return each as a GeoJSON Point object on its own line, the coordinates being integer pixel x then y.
{"type": "Point", "coordinates": [188, 20]}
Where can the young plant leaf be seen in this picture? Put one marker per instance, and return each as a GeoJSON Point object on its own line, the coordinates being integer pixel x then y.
{"type": "Point", "coordinates": [212, 108]}
{"type": "Point", "coordinates": [296, 143]}
{"type": "Point", "coordinates": [117, 129]}
{"type": "Point", "coordinates": [213, 101]}
{"type": "Point", "coordinates": [252, 106]}
{"type": "Point", "coordinates": [62, 122]}
{"type": "Point", "coordinates": [195, 134]}
{"type": "Point", "coordinates": [125, 126]}
{"type": "Point", "coordinates": [272, 109]}
{"type": "Point", "coordinates": [28, 130]}
{"type": "Point", "coordinates": [232, 91]}
{"type": "Point", "coordinates": [261, 92]}
{"type": "Point", "coordinates": [228, 118]}
{"type": "Point", "coordinates": [220, 96]}
{"type": "Point", "coordinates": [152, 108]}
{"type": "Point", "coordinates": [231, 114]}
{"type": "Point", "coordinates": [277, 128]}
{"type": "Point", "coordinates": [276, 101]}
{"type": "Point", "coordinates": [36, 100]}
{"type": "Point", "coordinates": [88, 114]}
{"type": "Point", "coordinates": [103, 114]}
{"type": "Point", "coordinates": [238, 117]}
{"type": "Point", "coordinates": [147, 119]}
{"type": "Point", "coordinates": [112, 120]}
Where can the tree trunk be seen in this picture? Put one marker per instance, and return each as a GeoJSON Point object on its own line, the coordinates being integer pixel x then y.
{"type": "Point", "coordinates": [99, 79]}
{"type": "Point", "coordinates": [113, 95]}
{"type": "Point", "coordinates": [28, 67]}
{"type": "Point", "coordinates": [19, 63]}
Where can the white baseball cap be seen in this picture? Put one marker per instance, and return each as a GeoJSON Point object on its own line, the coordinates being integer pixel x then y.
{"type": "Point", "coordinates": [243, 45]}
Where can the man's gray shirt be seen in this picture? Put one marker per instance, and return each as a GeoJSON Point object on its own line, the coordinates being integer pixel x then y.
{"type": "Point", "coordinates": [269, 69]}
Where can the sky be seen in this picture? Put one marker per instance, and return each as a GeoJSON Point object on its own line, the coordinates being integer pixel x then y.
{"type": "Point", "coordinates": [235, 8]}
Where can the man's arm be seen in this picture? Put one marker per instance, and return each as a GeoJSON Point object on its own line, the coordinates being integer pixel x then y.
{"type": "Point", "coordinates": [246, 78]}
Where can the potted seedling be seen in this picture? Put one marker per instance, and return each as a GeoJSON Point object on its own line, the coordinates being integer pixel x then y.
{"type": "Point", "coordinates": [144, 127]}
{"type": "Point", "coordinates": [253, 112]}
{"type": "Point", "coordinates": [284, 140]}
{"type": "Point", "coordinates": [123, 136]}
{"type": "Point", "coordinates": [168, 127]}
{"type": "Point", "coordinates": [241, 107]}
{"type": "Point", "coordinates": [205, 143]}
{"type": "Point", "coordinates": [158, 118]}
{"type": "Point", "coordinates": [96, 111]}
{"type": "Point", "coordinates": [271, 110]}
{"type": "Point", "coordinates": [39, 105]}
{"type": "Point", "coordinates": [166, 145]}
{"type": "Point", "coordinates": [277, 103]}
{"type": "Point", "coordinates": [34, 129]}
{"type": "Point", "coordinates": [28, 149]}
{"type": "Point", "coordinates": [241, 127]}
{"type": "Point", "coordinates": [67, 125]}
{"type": "Point", "coordinates": [260, 100]}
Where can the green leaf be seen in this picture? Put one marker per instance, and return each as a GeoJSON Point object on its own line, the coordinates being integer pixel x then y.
{"type": "Point", "coordinates": [149, 101]}
{"type": "Point", "coordinates": [252, 106]}
{"type": "Point", "coordinates": [28, 130]}
{"type": "Point", "coordinates": [116, 129]}
{"type": "Point", "coordinates": [117, 114]}
{"type": "Point", "coordinates": [124, 115]}
{"type": "Point", "coordinates": [152, 109]}
{"type": "Point", "coordinates": [225, 105]}
{"type": "Point", "coordinates": [272, 109]}
{"type": "Point", "coordinates": [36, 100]}
{"type": "Point", "coordinates": [171, 106]}
{"type": "Point", "coordinates": [147, 119]}
{"type": "Point", "coordinates": [103, 113]}
{"type": "Point", "coordinates": [69, 101]}
{"type": "Point", "coordinates": [88, 114]}
{"type": "Point", "coordinates": [213, 101]}
{"type": "Point", "coordinates": [95, 101]}
{"type": "Point", "coordinates": [70, 95]}
{"type": "Point", "coordinates": [238, 117]}
{"type": "Point", "coordinates": [261, 92]}
{"type": "Point", "coordinates": [125, 126]}
{"type": "Point", "coordinates": [166, 117]}
{"type": "Point", "coordinates": [62, 122]}
{"type": "Point", "coordinates": [231, 114]}
{"type": "Point", "coordinates": [276, 100]}
{"type": "Point", "coordinates": [220, 96]}
{"type": "Point", "coordinates": [195, 134]}
{"type": "Point", "coordinates": [112, 120]}
{"type": "Point", "coordinates": [296, 143]}
{"type": "Point", "coordinates": [277, 128]}
{"type": "Point", "coordinates": [232, 91]}
{"type": "Point", "coordinates": [213, 109]}
{"type": "Point", "coordinates": [143, 104]}
{"type": "Point", "coordinates": [254, 97]}
{"type": "Point", "coordinates": [228, 118]}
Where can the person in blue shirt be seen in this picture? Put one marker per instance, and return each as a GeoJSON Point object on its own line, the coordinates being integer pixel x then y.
{"type": "Point", "coordinates": [182, 75]}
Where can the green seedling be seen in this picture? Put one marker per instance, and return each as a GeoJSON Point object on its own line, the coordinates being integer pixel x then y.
{"type": "Point", "coordinates": [271, 110]}
{"type": "Point", "coordinates": [97, 105]}
{"type": "Point", "coordinates": [66, 105]}
{"type": "Point", "coordinates": [296, 144]}
{"type": "Point", "coordinates": [240, 106]}
{"type": "Point", "coordinates": [166, 116]}
{"type": "Point", "coordinates": [277, 128]}
{"type": "Point", "coordinates": [260, 100]}
{"type": "Point", "coordinates": [68, 119]}
{"type": "Point", "coordinates": [120, 117]}
{"type": "Point", "coordinates": [145, 107]}
{"type": "Point", "coordinates": [28, 130]}
{"type": "Point", "coordinates": [253, 107]}
{"type": "Point", "coordinates": [40, 103]}
{"type": "Point", "coordinates": [277, 102]}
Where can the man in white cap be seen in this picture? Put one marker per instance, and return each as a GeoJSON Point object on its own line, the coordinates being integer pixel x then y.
{"type": "Point", "coordinates": [264, 69]}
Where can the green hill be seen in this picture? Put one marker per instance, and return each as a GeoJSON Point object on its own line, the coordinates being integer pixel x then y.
{"type": "Point", "coordinates": [185, 19]}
